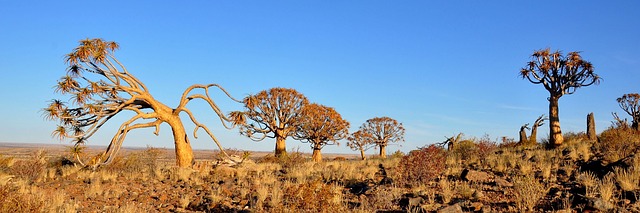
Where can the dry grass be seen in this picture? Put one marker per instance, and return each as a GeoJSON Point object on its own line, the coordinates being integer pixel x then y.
{"type": "Point", "coordinates": [528, 192]}
{"type": "Point", "coordinates": [140, 182]}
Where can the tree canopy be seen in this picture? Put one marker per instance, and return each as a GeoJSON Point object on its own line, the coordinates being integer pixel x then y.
{"type": "Point", "coordinates": [272, 113]}
{"type": "Point", "coordinates": [378, 131]}
{"type": "Point", "coordinates": [319, 126]}
{"type": "Point", "coordinates": [630, 104]}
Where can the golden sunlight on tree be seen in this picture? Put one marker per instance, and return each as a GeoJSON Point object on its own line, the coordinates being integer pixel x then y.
{"type": "Point", "coordinates": [376, 132]}
{"type": "Point", "coordinates": [272, 113]}
{"type": "Point", "coordinates": [101, 88]}
{"type": "Point", "coordinates": [320, 126]}
{"type": "Point", "coordinates": [559, 75]}
{"type": "Point", "coordinates": [629, 103]}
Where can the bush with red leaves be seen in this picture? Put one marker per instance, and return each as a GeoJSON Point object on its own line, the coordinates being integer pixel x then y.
{"type": "Point", "coordinates": [422, 165]}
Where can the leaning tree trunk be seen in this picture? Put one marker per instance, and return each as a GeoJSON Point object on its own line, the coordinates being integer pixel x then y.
{"type": "Point", "coordinates": [533, 138]}
{"type": "Point", "coordinates": [184, 153]}
{"type": "Point", "coordinates": [383, 151]}
{"type": "Point", "coordinates": [364, 157]}
{"type": "Point", "coordinates": [591, 127]}
{"type": "Point", "coordinates": [281, 146]}
{"type": "Point", "coordinates": [317, 155]}
{"type": "Point", "coordinates": [555, 138]}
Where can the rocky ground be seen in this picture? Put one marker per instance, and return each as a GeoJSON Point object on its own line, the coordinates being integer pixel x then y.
{"type": "Point", "coordinates": [578, 177]}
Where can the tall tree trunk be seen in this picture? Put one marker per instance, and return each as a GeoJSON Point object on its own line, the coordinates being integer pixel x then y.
{"type": "Point", "coordinates": [555, 138]}
{"type": "Point", "coordinates": [281, 146]}
{"type": "Point", "coordinates": [317, 155]}
{"type": "Point", "coordinates": [591, 127]}
{"type": "Point", "coordinates": [383, 151]}
{"type": "Point", "coordinates": [364, 157]}
{"type": "Point", "coordinates": [184, 153]}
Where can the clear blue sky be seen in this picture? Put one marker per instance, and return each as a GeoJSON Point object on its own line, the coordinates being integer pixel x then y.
{"type": "Point", "coordinates": [439, 67]}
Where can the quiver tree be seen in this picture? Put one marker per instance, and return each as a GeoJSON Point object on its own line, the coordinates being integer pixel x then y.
{"type": "Point", "coordinates": [100, 87]}
{"type": "Point", "coordinates": [272, 113]}
{"type": "Point", "coordinates": [357, 141]}
{"type": "Point", "coordinates": [382, 131]}
{"type": "Point", "coordinates": [629, 103]}
{"type": "Point", "coordinates": [559, 75]}
{"type": "Point", "coordinates": [533, 138]}
{"type": "Point", "coordinates": [320, 126]}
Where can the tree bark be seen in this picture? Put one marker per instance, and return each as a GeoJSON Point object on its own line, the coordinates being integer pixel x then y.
{"type": "Point", "coordinates": [591, 127]}
{"type": "Point", "coordinates": [317, 155]}
{"type": "Point", "coordinates": [555, 138]}
{"type": "Point", "coordinates": [281, 146]}
{"type": "Point", "coordinates": [533, 138]}
{"type": "Point", "coordinates": [523, 136]}
{"type": "Point", "coordinates": [184, 153]}
{"type": "Point", "coordinates": [364, 157]}
{"type": "Point", "coordinates": [383, 151]}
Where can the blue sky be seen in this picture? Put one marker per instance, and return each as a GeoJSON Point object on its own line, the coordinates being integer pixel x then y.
{"type": "Point", "coordinates": [439, 67]}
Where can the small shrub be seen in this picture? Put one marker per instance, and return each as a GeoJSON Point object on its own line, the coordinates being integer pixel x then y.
{"type": "Point", "coordinates": [528, 192]}
{"type": "Point", "coordinates": [421, 165]}
{"type": "Point", "coordinates": [617, 142]}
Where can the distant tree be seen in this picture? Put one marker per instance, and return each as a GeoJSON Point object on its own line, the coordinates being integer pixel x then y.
{"type": "Point", "coordinates": [629, 103]}
{"type": "Point", "coordinates": [559, 75]}
{"type": "Point", "coordinates": [273, 113]}
{"type": "Point", "coordinates": [320, 126]}
{"type": "Point", "coordinates": [357, 141]}
{"type": "Point", "coordinates": [380, 132]}
{"type": "Point", "coordinates": [101, 88]}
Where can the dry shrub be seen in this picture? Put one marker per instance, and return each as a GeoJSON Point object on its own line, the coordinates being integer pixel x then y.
{"type": "Point", "coordinates": [528, 192]}
{"type": "Point", "coordinates": [421, 165]}
{"type": "Point", "coordinates": [30, 169]}
{"type": "Point", "coordinates": [617, 142]}
{"type": "Point", "coordinates": [138, 162]}
{"type": "Point", "coordinates": [314, 196]}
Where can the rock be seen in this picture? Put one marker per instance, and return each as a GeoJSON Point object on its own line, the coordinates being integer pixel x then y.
{"type": "Point", "coordinates": [475, 176]}
{"type": "Point", "coordinates": [502, 182]}
{"type": "Point", "coordinates": [477, 195]}
{"type": "Point", "coordinates": [477, 206]}
{"type": "Point", "coordinates": [600, 204]}
{"type": "Point", "coordinates": [409, 201]}
{"type": "Point", "coordinates": [455, 208]}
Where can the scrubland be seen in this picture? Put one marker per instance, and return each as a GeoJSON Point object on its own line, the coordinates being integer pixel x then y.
{"type": "Point", "coordinates": [476, 175]}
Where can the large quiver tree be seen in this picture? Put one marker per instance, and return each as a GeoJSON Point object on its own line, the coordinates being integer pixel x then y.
{"type": "Point", "coordinates": [559, 75]}
{"type": "Point", "coordinates": [320, 126]}
{"type": "Point", "coordinates": [382, 131]}
{"type": "Point", "coordinates": [272, 113]}
{"type": "Point", "coordinates": [629, 103]}
{"type": "Point", "coordinates": [100, 87]}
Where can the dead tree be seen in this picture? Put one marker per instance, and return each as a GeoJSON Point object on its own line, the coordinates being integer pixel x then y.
{"type": "Point", "coordinates": [523, 134]}
{"type": "Point", "coordinates": [451, 142]}
{"type": "Point", "coordinates": [534, 129]}
{"type": "Point", "coordinates": [591, 127]}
